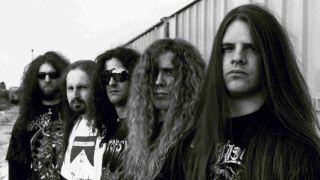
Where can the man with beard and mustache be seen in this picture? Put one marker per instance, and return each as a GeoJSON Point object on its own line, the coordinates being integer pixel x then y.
{"type": "Point", "coordinates": [90, 121]}
{"type": "Point", "coordinates": [115, 67]}
{"type": "Point", "coordinates": [36, 140]}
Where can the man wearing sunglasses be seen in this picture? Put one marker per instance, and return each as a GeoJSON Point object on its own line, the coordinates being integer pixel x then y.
{"type": "Point", "coordinates": [36, 137]}
{"type": "Point", "coordinates": [115, 67]}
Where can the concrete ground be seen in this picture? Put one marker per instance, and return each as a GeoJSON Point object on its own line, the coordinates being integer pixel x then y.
{"type": "Point", "coordinates": [7, 120]}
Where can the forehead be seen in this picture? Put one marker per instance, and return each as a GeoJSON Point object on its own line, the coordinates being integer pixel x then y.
{"type": "Point", "coordinates": [46, 67]}
{"type": "Point", "coordinates": [237, 31]}
{"type": "Point", "coordinates": [113, 63]}
{"type": "Point", "coordinates": [165, 60]}
{"type": "Point", "coordinates": [76, 77]}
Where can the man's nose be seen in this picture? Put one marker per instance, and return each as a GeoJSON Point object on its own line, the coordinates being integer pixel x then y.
{"type": "Point", "coordinates": [238, 57]}
{"type": "Point", "coordinates": [112, 81]}
{"type": "Point", "coordinates": [159, 79]}
{"type": "Point", "coordinates": [47, 78]}
{"type": "Point", "coordinates": [76, 93]}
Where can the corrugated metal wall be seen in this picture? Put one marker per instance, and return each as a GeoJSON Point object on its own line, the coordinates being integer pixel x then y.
{"type": "Point", "coordinates": [199, 21]}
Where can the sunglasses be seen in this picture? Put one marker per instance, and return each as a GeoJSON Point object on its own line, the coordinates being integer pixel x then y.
{"type": "Point", "coordinates": [52, 75]}
{"type": "Point", "coordinates": [119, 77]}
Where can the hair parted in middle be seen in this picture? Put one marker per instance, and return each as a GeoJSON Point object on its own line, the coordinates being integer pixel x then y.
{"type": "Point", "coordinates": [31, 96]}
{"type": "Point", "coordinates": [146, 155]}
{"type": "Point", "coordinates": [287, 97]}
{"type": "Point", "coordinates": [102, 111]}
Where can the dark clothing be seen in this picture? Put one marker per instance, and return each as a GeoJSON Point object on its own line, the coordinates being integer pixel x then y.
{"type": "Point", "coordinates": [113, 154]}
{"type": "Point", "coordinates": [230, 160]}
{"type": "Point", "coordinates": [21, 155]}
{"type": "Point", "coordinates": [174, 166]}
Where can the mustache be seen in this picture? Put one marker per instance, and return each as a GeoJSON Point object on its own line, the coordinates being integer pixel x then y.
{"type": "Point", "coordinates": [77, 100]}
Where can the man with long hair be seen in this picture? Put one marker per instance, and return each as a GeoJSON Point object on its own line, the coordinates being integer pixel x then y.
{"type": "Point", "coordinates": [36, 140]}
{"type": "Point", "coordinates": [90, 121]}
{"type": "Point", "coordinates": [164, 92]}
{"type": "Point", "coordinates": [256, 120]}
{"type": "Point", "coordinates": [115, 67]}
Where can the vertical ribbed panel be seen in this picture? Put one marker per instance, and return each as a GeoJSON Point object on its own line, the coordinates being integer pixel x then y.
{"type": "Point", "coordinates": [199, 21]}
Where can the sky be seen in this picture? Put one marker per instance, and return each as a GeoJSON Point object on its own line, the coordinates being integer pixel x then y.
{"type": "Point", "coordinates": [78, 29]}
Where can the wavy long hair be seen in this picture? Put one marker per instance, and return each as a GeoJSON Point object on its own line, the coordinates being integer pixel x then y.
{"type": "Point", "coordinates": [146, 156]}
{"type": "Point", "coordinates": [31, 95]}
{"type": "Point", "coordinates": [103, 112]}
{"type": "Point", "coordinates": [287, 97]}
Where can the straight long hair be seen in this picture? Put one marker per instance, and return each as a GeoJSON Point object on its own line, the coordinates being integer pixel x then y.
{"type": "Point", "coordinates": [103, 112]}
{"type": "Point", "coordinates": [288, 98]}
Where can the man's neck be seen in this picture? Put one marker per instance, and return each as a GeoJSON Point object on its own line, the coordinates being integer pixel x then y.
{"type": "Point", "coordinates": [161, 115]}
{"type": "Point", "coordinates": [51, 102]}
{"type": "Point", "coordinates": [122, 111]}
{"type": "Point", "coordinates": [86, 116]}
{"type": "Point", "coordinates": [239, 106]}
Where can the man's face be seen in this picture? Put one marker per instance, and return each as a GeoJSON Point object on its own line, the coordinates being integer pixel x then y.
{"type": "Point", "coordinates": [241, 63]}
{"type": "Point", "coordinates": [164, 81]}
{"type": "Point", "coordinates": [117, 91]}
{"type": "Point", "coordinates": [48, 80]}
{"type": "Point", "coordinates": [79, 90]}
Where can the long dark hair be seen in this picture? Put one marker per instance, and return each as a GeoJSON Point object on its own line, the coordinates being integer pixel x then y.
{"type": "Point", "coordinates": [104, 113]}
{"type": "Point", "coordinates": [288, 98]}
{"type": "Point", "coordinates": [31, 96]}
{"type": "Point", "coordinates": [128, 57]}
{"type": "Point", "coordinates": [146, 156]}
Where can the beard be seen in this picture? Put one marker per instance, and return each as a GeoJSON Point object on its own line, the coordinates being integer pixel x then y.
{"type": "Point", "coordinates": [50, 96]}
{"type": "Point", "coordinates": [78, 106]}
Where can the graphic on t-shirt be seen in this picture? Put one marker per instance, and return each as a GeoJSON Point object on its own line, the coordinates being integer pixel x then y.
{"type": "Point", "coordinates": [83, 149]}
{"type": "Point", "coordinates": [229, 162]}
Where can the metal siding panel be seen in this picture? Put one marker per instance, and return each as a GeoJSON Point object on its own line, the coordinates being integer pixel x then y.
{"type": "Point", "coordinates": [193, 25]}
{"type": "Point", "coordinates": [201, 27]}
{"type": "Point", "coordinates": [236, 3]}
{"type": "Point", "coordinates": [180, 25]}
{"type": "Point", "coordinates": [276, 7]}
{"type": "Point", "coordinates": [313, 46]}
{"type": "Point", "coordinates": [209, 29]}
{"type": "Point", "coordinates": [185, 28]}
{"type": "Point", "coordinates": [261, 2]}
{"type": "Point", "coordinates": [294, 25]}
{"type": "Point", "coordinates": [172, 27]}
{"type": "Point", "coordinates": [199, 23]}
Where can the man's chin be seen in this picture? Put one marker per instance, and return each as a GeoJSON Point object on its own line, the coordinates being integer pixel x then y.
{"type": "Point", "coordinates": [50, 96]}
{"type": "Point", "coordinates": [78, 110]}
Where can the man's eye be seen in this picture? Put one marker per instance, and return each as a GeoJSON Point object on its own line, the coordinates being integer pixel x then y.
{"type": "Point", "coordinates": [69, 88]}
{"type": "Point", "coordinates": [227, 49]}
{"type": "Point", "coordinates": [251, 48]}
{"type": "Point", "coordinates": [82, 87]}
{"type": "Point", "coordinates": [169, 73]}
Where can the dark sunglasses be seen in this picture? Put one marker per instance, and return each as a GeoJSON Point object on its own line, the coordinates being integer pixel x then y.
{"type": "Point", "coordinates": [119, 77]}
{"type": "Point", "coordinates": [52, 75]}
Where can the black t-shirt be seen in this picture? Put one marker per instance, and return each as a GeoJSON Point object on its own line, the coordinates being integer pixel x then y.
{"type": "Point", "coordinates": [114, 150]}
{"type": "Point", "coordinates": [19, 152]}
{"type": "Point", "coordinates": [228, 162]}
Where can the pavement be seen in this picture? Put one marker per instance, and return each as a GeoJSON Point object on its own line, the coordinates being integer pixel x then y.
{"type": "Point", "coordinates": [7, 119]}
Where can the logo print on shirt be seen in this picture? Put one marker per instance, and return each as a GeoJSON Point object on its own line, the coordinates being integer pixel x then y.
{"type": "Point", "coordinates": [86, 144]}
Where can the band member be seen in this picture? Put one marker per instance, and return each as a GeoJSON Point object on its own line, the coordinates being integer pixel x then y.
{"type": "Point", "coordinates": [164, 92]}
{"type": "Point", "coordinates": [256, 120]}
{"type": "Point", "coordinates": [90, 121]}
{"type": "Point", "coordinates": [115, 68]}
{"type": "Point", "coordinates": [36, 140]}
